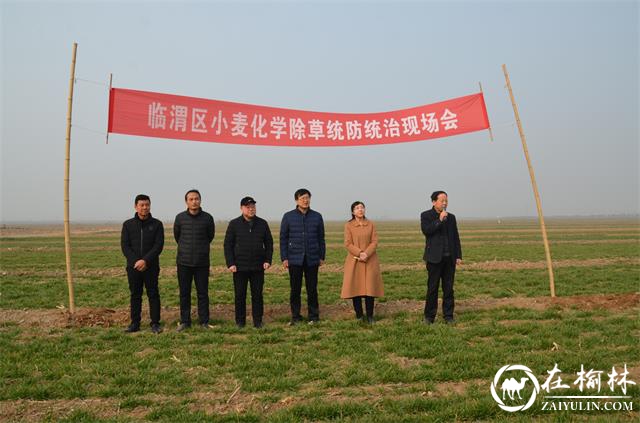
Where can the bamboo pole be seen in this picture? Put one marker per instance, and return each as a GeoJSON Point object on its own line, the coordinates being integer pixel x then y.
{"type": "Point", "coordinates": [67, 161]}
{"type": "Point", "coordinates": [536, 194]}
{"type": "Point", "coordinates": [490, 131]}
{"type": "Point", "coordinates": [109, 99]}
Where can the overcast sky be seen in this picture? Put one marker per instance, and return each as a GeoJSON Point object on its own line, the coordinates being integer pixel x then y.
{"type": "Point", "coordinates": [573, 67]}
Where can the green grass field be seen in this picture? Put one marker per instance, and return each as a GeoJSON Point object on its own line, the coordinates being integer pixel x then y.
{"type": "Point", "coordinates": [57, 368]}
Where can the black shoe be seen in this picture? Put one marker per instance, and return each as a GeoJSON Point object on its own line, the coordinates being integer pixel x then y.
{"type": "Point", "coordinates": [206, 326]}
{"type": "Point", "coordinates": [359, 316]}
{"type": "Point", "coordinates": [183, 327]}
{"type": "Point", "coordinates": [313, 322]}
{"type": "Point", "coordinates": [370, 320]}
{"type": "Point", "coordinates": [294, 322]}
{"type": "Point", "coordinates": [240, 325]}
{"type": "Point", "coordinates": [155, 328]}
{"type": "Point", "coordinates": [450, 321]}
{"type": "Point", "coordinates": [258, 325]}
{"type": "Point", "coordinates": [428, 321]}
{"type": "Point", "coordinates": [132, 328]}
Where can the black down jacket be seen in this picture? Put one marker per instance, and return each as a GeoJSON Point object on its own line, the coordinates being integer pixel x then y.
{"type": "Point", "coordinates": [248, 244]}
{"type": "Point", "coordinates": [193, 233]}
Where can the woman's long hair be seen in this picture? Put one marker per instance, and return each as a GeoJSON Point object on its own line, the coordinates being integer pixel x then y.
{"type": "Point", "coordinates": [353, 206]}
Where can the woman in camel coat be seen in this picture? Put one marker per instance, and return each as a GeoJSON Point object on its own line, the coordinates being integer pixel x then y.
{"type": "Point", "coordinates": [362, 277]}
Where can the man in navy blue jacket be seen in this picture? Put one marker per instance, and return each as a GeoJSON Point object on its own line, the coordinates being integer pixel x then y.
{"type": "Point", "coordinates": [142, 240]}
{"type": "Point", "coordinates": [442, 252]}
{"type": "Point", "coordinates": [302, 251]}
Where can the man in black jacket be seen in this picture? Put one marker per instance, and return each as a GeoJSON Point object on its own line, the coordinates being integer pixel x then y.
{"type": "Point", "coordinates": [193, 230]}
{"type": "Point", "coordinates": [142, 240]}
{"type": "Point", "coordinates": [442, 253]}
{"type": "Point", "coordinates": [248, 250]}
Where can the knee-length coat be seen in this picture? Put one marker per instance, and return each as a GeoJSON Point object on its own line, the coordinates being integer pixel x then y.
{"type": "Point", "coordinates": [361, 278]}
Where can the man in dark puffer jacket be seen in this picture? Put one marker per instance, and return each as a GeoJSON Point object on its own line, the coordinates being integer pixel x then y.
{"type": "Point", "coordinates": [142, 240]}
{"type": "Point", "coordinates": [302, 250]}
{"type": "Point", "coordinates": [193, 230]}
{"type": "Point", "coordinates": [248, 249]}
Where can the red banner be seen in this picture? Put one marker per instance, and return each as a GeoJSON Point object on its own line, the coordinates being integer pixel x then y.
{"type": "Point", "coordinates": [189, 118]}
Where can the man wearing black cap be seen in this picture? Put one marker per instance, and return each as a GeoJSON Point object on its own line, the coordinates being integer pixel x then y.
{"type": "Point", "coordinates": [248, 250]}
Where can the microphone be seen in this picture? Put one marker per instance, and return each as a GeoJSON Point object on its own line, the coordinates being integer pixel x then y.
{"type": "Point", "coordinates": [444, 208]}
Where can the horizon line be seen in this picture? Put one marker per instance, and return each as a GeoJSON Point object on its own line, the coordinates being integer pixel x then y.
{"type": "Point", "coordinates": [626, 216]}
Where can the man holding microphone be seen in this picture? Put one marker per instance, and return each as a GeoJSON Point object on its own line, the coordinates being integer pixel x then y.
{"type": "Point", "coordinates": [442, 253]}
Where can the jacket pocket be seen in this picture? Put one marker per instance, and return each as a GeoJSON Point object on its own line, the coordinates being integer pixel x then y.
{"type": "Point", "coordinates": [295, 247]}
{"type": "Point", "coordinates": [314, 248]}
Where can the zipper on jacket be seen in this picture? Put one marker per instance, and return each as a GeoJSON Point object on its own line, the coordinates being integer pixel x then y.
{"type": "Point", "coordinates": [304, 234]}
{"type": "Point", "coordinates": [193, 240]}
{"type": "Point", "coordinates": [141, 238]}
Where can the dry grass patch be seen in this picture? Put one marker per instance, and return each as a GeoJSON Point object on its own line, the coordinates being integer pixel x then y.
{"type": "Point", "coordinates": [407, 363]}
{"type": "Point", "coordinates": [107, 317]}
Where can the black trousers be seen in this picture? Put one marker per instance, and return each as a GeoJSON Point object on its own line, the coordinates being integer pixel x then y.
{"type": "Point", "coordinates": [149, 280]}
{"type": "Point", "coordinates": [311, 283]}
{"type": "Point", "coordinates": [200, 275]}
{"type": "Point", "coordinates": [445, 271]}
{"type": "Point", "coordinates": [256, 280]}
{"type": "Point", "coordinates": [369, 303]}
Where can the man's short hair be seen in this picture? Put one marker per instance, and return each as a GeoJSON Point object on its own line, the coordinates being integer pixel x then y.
{"type": "Point", "coordinates": [299, 193]}
{"type": "Point", "coordinates": [141, 197]}
{"type": "Point", "coordinates": [434, 196]}
{"type": "Point", "coordinates": [190, 191]}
